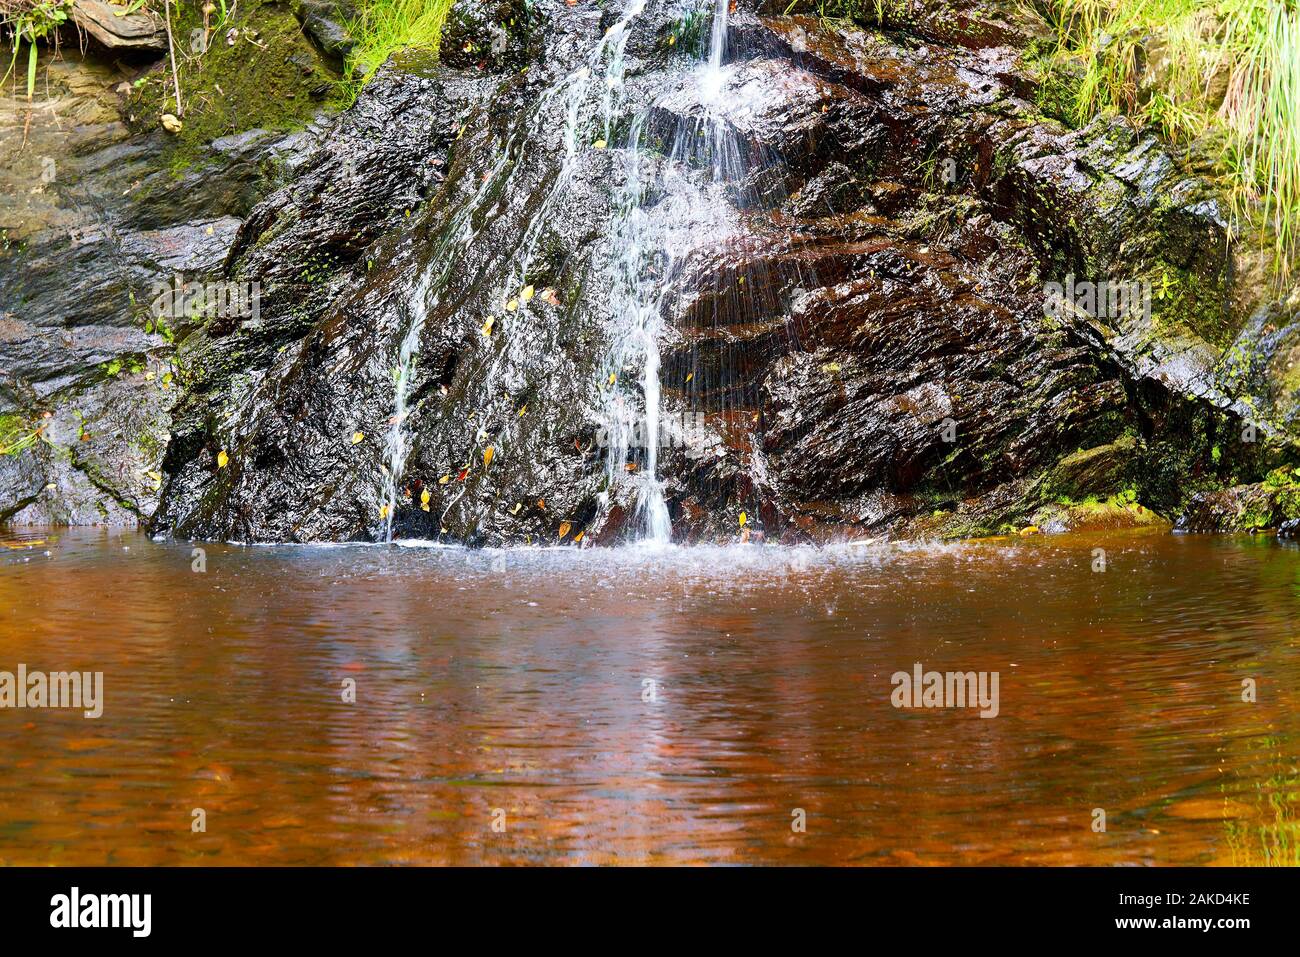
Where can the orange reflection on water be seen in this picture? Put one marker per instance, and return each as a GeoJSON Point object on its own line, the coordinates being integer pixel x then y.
{"type": "Point", "coordinates": [518, 681]}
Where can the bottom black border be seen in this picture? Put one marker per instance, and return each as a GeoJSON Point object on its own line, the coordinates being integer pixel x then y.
{"type": "Point", "coordinates": [334, 906]}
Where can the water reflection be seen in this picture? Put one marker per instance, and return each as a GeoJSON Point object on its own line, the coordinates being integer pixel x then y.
{"type": "Point", "coordinates": [519, 681]}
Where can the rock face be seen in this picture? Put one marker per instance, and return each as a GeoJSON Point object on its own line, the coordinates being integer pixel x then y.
{"type": "Point", "coordinates": [93, 220]}
{"type": "Point", "coordinates": [1272, 503]}
{"type": "Point", "coordinates": [139, 31]}
{"type": "Point", "coordinates": [845, 239]}
{"type": "Point", "coordinates": [854, 332]}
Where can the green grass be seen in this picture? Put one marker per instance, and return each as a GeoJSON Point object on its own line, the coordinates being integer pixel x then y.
{"type": "Point", "coordinates": [15, 435]}
{"type": "Point", "coordinates": [382, 27]}
{"type": "Point", "coordinates": [30, 20]}
{"type": "Point", "coordinates": [1223, 71]}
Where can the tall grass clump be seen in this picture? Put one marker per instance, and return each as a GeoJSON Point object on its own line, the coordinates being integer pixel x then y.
{"type": "Point", "coordinates": [26, 21]}
{"type": "Point", "coordinates": [1227, 71]}
{"type": "Point", "coordinates": [382, 27]}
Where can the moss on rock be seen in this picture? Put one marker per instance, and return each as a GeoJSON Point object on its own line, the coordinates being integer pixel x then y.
{"type": "Point", "coordinates": [255, 71]}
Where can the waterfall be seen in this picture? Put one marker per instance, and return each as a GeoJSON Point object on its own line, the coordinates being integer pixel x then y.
{"type": "Point", "coordinates": [576, 90]}
{"type": "Point", "coordinates": [645, 267]}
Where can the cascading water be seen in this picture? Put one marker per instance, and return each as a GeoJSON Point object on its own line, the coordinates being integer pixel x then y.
{"type": "Point", "coordinates": [668, 204]}
{"type": "Point", "coordinates": [645, 268]}
{"type": "Point", "coordinates": [576, 89]}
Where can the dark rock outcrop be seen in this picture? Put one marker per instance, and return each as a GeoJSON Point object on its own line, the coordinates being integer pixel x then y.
{"type": "Point", "coordinates": [93, 221]}
{"type": "Point", "coordinates": [850, 250]}
{"type": "Point", "coordinates": [867, 350]}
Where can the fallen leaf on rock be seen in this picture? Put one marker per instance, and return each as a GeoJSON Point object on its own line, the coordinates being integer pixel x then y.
{"type": "Point", "coordinates": [577, 538]}
{"type": "Point", "coordinates": [171, 124]}
{"type": "Point", "coordinates": [599, 144]}
{"type": "Point", "coordinates": [512, 305]}
{"type": "Point", "coordinates": [527, 293]}
{"type": "Point", "coordinates": [518, 506]}
{"type": "Point", "coordinates": [550, 296]}
{"type": "Point", "coordinates": [743, 519]}
{"type": "Point", "coordinates": [487, 326]}
{"type": "Point", "coordinates": [463, 472]}
{"type": "Point", "coordinates": [487, 455]}
{"type": "Point", "coordinates": [357, 437]}
{"type": "Point", "coordinates": [444, 480]}
{"type": "Point", "coordinates": [222, 459]}
{"type": "Point", "coordinates": [564, 529]}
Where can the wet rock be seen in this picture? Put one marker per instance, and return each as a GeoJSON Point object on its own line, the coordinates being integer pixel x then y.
{"type": "Point", "coordinates": [857, 333]}
{"type": "Point", "coordinates": [325, 22]}
{"type": "Point", "coordinates": [1098, 472]}
{"type": "Point", "coordinates": [95, 220]}
{"type": "Point", "coordinates": [1271, 504]}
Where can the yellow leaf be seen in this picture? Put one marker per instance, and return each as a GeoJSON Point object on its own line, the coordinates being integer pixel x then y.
{"type": "Point", "coordinates": [541, 503]}
{"type": "Point", "coordinates": [743, 519]}
{"type": "Point", "coordinates": [487, 455]}
{"type": "Point", "coordinates": [690, 376]}
{"type": "Point", "coordinates": [424, 497]}
{"type": "Point", "coordinates": [599, 144]}
{"type": "Point", "coordinates": [222, 459]}
{"type": "Point", "coordinates": [564, 529]}
{"type": "Point", "coordinates": [577, 538]}
{"type": "Point", "coordinates": [383, 511]}
{"type": "Point", "coordinates": [424, 508]}
{"type": "Point", "coordinates": [444, 480]}
{"type": "Point", "coordinates": [518, 506]}
{"type": "Point", "coordinates": [522, 411]}
{"type": "Point", "coordinates": [612, 378]}
{"type": "Point", "coordinates": [512, 305]}
{"type": "Point", "coordinates": [357, 437]}
{"type": "Point", "coordinates": [487, 326]}
{"type": "Point", "coordinates": [527, 293]}
{"type": "Point", "coordinates": [1029, 530]}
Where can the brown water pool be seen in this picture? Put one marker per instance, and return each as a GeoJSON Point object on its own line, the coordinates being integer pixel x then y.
{"type": "Point", "coordinates": [623, 706]}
